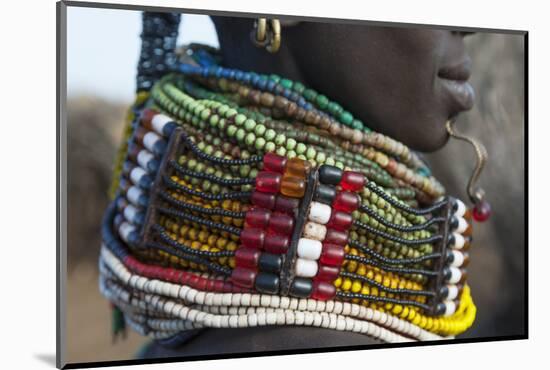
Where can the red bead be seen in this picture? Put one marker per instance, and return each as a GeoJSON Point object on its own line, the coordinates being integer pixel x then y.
{"type": "Point", "coordinates": [276, 244]}
{"type": "Point", "coordinates": [147, 116]}
{"type": "Point", "coordinates": [323, 291]}
{"type": "Point", "coordinates": [482, 211]}
{"type": "Point", "coordinates": [336, 237]}
{"type": "Point", "coordinates": [253, 238]}
{"type": "Point", "coordinates": [280, 223]}
{"type": "Point", "coordinates": [274, 163]}
{"type": "Point", "coordinates": [340, 221]}
{"type": "Point", "coordinates": [352, 181]}
{"type": "Point", "coordinates": [243, 277]}
{"type": "Point", "coordinates": [268, 182]}
{"type": "Point", "coordinates": [247, 257]}
{"type": "Point", "coordinates": [286, 204]}
{"type": "Point", "coordinates": [346, 201]}
{"type": "Point", "coordinates": [332, 255]}
{"type": "Point", "coordinates": [327, 273]}
{"type": "Point", "coordinates": [257, 217]}
{"type": "Point", "coordinates": [263, 200]}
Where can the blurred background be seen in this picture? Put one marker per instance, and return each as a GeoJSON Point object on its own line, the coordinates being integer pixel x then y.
{"type": "Point", "coordinates": [102, 52]}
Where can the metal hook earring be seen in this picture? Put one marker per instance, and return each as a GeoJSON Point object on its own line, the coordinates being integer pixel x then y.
{"type": "Point", "coordinates": [482, 209]}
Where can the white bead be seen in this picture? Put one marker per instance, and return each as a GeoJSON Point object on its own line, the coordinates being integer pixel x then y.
{"type": "Point", "coordinates": [233, 321]}
{"type": "Point", "coordinates": [150, 139]}
{"type": "Point", "coordinates": [125, 229]}
{"type": "Point", "coordinates": [245, 299]}
{"type": "Point", "coordinates": [455, 275]}
{"type": "Point", "coordinates": [226, 299]}
{"type": "Point", "coordinates": [319, 212]}
{"type": "Point", "coordinates": [346, 309]}
{"type": "Point", "coordinates": [309, 249]}
{"type": "Point", "coordinates": [289, 318]}
{"type": "Point", "coordinates": [281, 319]}
{"type": "Point", "coordinates": [305, 268]}
{"type": "Point", "coordinates": [144, 157]}
{"type": "Point", "coordinates": [302, 304]}
{"type": "Point", "coordinates": [338, 307]}
{"type": "Point", "coordinates": [315, 231]}
{"type": "Point", "coordinates": [461, 208]}
{"type": "Point", "coordinates": [136, 174]}
{"type": "Point", "coordinates": [236, 299]}
{"type": "Point", "coordinates": [458, 241]}
{"type": "Point", "coordinates": [458, 259]}
{"type": "Point", "coordinates": [453, 291]}
{"type": "Point", "coordinates": [254, 299]}
{"type": "Point", "coordinates": [309, 318]}
{"type": "Point", "coordinates": [265, 300]}
{"type": "Point", "coordinates": [450, 308]}
{"type": "Point", "coordinates": [285, 302]}
{"type": "Point", "coordinates": [275, 301]}
{"type": "Point", "coordinates": [130, 213]}
{"type": "Point", "coordinates": [462, 225]}
{"type": "Point", "coordinates": [159, 121]}
{"type": "Point", "coordinates": [133, 195]}
{"type": "Point", "coordinates": [311, 305]}
{"type": "Point", "coordinates": [340, 323]}
{"type": "Point", "coordinates": [299, 318]}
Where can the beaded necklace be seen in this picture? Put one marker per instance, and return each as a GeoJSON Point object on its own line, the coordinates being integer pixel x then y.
{"type": "Point", "coordinates": [243, 199]}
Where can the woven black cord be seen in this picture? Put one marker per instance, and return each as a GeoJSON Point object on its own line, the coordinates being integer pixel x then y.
{"type": "Point", "coordinates": [199, 220]}
{"type": "Point", "coordinates": [211, 178]}
{"type": "Point", "coordinates": [397, 239]}
{"type": "Point", "coordinates": [372, 213]}
{"type": "Point", "coordinates": [397, 204]}
{"type": "Point", "coordinates": [385, 288]}
{"type": "Point", "coordinates": [233, 195]}
{"type": "Point", "coordinates": [372, 298]}
{"type": "Point", "coordinates": [392, 261]}
{"type": "Point", "coordinates": [194, 208]}
{"type": "Point", "coordinates": [400, 270]}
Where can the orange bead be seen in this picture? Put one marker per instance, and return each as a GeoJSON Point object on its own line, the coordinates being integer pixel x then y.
{"type": "Point", "coordinates": [293, 186]}
{"type": "Point", "coordinates": [297, 167]}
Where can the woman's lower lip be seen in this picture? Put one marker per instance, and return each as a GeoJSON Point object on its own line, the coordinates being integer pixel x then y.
{"type": "Point", "coordinates": [461, 92]}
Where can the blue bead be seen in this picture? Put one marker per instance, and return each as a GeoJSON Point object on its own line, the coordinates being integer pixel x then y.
{"type": "Point", "coordinates": [294, 96]}
{"type": "Point", "coordinates": [219, 72]}
{"type": "Point", "coordinates": [232, 73]}
{"type": "Point", "coordinates": [239, 75]}
{"type": "Point", "coordinates": [271, 85]}
{"type": "Point", "coordinates": [247, 77]}
{"type": "Point", "coordinates": [225, 73]}
{"type": "Point", "coordinates": [262, 83]}
{"type": "Point", "coordinates": [211, 70]}
{"type": "Point", "coordinates": [286, 93]}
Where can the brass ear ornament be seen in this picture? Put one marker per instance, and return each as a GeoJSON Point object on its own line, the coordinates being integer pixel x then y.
{"type": "Point", "coordinates": [267, 34]}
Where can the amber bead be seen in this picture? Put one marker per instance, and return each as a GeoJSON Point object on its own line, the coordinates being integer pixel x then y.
{"type": "Point", "coordinates": [293, 186]}
{"type": "Point", "coordinates": [297, 167]}
{"type": "Point", "coordinates": [468, 231]}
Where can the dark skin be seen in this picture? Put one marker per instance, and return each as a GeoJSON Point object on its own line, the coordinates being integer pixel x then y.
{"type": "Point", "coordinates": [403, 82]}
{"type": "Point", "coordinates": [396, 80]}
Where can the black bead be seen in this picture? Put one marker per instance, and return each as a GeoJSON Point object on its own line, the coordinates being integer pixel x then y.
{"type": "Point", "coordinates": [330, 175]}
{"type": "Point", "coordinates": [443, 291]}
{"type": "Point", "coordinates": [267, 283]}
{"type": "Point", "coordinates": [440, 309]}
{"type": "Point", "coordinates": [453, 225]}
{"type": "Point", "coordinates": [270, 262]}
{"type": "Point", "coordinates": [451, 240]}
{"type": "Point", "coordinates": [301, 288]}
{"type": "Point", "coordinates": [325, 194]}
{"type": "Point", "coordinates": [447, 273]}
{"type": "Point", "coordinates": [450, 257]}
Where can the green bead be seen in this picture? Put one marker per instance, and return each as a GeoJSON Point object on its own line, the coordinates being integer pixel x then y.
{"type": "Point", "coordinates": [302, 157]}
{"type": "Point", "coordinates": [280, 139]}
{"type": "Point", "coordinates": [281, 151]}
{"type": "Point", "coordinates": [270, 146]}
{"type": "Point", "coordinates": [286, 83]}
{"type": "Point", "coordinates": [259, 130]}
{"type": "Point", "coordinates": [244, 170]}
{"type": "Point", "coordinates": [250, 138]}
{"type": "Point", "coordinates": [240, 134]}
{"type": "Point", "coordinates": [310, 94]}
{"type": "Point", "coordinates": [249, 124]}
{"type": "Point", "coordinates": [275, 77]}
{"type": "Point", "coordinates": [290, 144]}
{"type": "Point", "coordinates": [260, 143]}
{"type": "Point", "coordinates": [230, 113]}
{"type": "Point", "coordinates": [231, 130]}
{"type": "Point", "coordinates": [356, 124]}
{"type": "Point", "coordinates": [291, 154]}
{"type": "Point", "coordinates": [321, 101]}
{"type": "Point", "coordinates": [239, 119]}
{"type": "Point", "coordinates": [270, 134]}
{"type": "Point", "coordinates": [330, 161]}
{"type": "Point", "coordinates": [334, 108]}
{"type": "Point", "coordinates": [310, 153]}
{"type": "Point", "coordinates": [298, 87]}
{"type": "Point", "coordinates": [205, 114]}
{"type": "Point", "coordinates": [301, 148]}
{"type": "Point", "coordinates": [321, 157]}
{"type": "Point", "coordinates": [346, 118]}
{"type": "Point", "coordinates": [214, 119]}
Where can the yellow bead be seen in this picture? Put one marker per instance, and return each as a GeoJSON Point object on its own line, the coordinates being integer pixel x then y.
{"type": "Point", "coordinates": [397, 309]}
{"type": "Point", "coordinates": [356, 286]}
{"type": "Point", "coordinates": [346, 286]}
{"type": "Point", "coordinates": [338, 282]}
